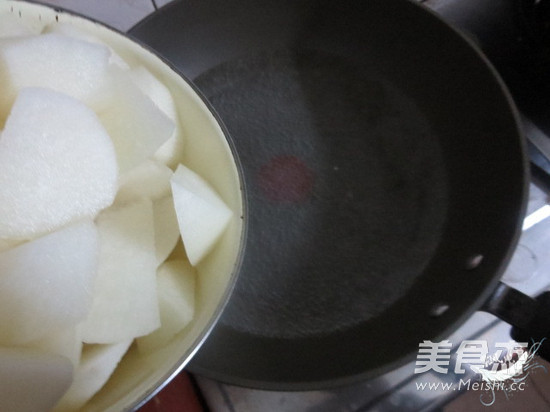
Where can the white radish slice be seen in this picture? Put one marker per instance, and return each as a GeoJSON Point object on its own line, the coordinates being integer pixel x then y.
{"type": "Point", "coordinates": [67, 65]}
{"type": "Point", "coordinates": [70, 30]}
{"type": "Point", "coordinates": [32, 381]}
{"type": "Point", "coordinates": [167, 231]}
{"type": "Point", "coordinates": [155, 90]}
{"type": "Point", "coordinates": [58, 165]}
{"type": "Point", "coordinates": [65, 342]}
{"type": "Point", "coordinates": [136, 125]}
{"type": "Point", "coordinates": [45, 284]}
{"type": "Point", "coordinates": [202, 214]}
{"type": "Point", "coordinates": [125, 300]}
{"type": "Point", "coordinates": [149, 179]}
{"type": "Point", "coordinates": [96, 366]}
{"type": "Point", "coordinates": [176, 292]}
{"type": "Point", "coordinates": [170, 153]}
{"type": "Point", "coordinates": [6, 244]}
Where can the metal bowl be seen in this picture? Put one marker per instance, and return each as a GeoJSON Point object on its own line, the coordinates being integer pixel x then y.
{"type": "Point", "coordinates": [210, 153]}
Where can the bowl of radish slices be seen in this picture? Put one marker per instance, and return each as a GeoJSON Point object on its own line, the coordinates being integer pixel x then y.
{"type": "Point", "coordinates": [121, 215]}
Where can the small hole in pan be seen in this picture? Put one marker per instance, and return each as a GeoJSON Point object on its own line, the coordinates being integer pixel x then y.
{"type": "Point", "coordinates": [439, 310]}
{"type": "Point", "coordinates": [474, 261]}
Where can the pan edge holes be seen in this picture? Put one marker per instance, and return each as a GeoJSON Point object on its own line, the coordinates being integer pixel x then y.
{"type": "Point", "coordinates": [438, 310]}
{"type": "Point", "coordinates": [474, 261]}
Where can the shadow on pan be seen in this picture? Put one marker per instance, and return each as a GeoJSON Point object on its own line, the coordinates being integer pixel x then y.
{"type": "Point", "coordinates": [385, 176]}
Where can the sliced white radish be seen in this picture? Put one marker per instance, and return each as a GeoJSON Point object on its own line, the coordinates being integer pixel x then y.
{"type": "Point", "coordinates": [7, 244]}
{"type": "Point", "coordinates": [171, 152]}
{"type": "Point", "coordinates": [65, 342]}
{"type": "Point", "coordinates": [125, 300]}
{"type": "Point", "coordinates": [149, 179]}
{"type": "Point", "coordinates": [136, 125]}
{"type": "Point", "coordinates": [57, 165]}
{"type": "Point", "coordinates": [202, 214]}
{"type": "Point", "coordinates": [67, 65]}
{"type": "Point", "coordinates": [176, 291]}
{"type": "Point", "coordinates": [155, 90]}
{"type": "Point", "coordinates": [46, 284]}
{"type": "Point", "coordinates": [96, 366]}
{"type": "Point", "coordinates": [70, 30]}
{"type": "Point", "coordinates": [167, 232]}
{"type": "Point", "coordinates": [31, 380]}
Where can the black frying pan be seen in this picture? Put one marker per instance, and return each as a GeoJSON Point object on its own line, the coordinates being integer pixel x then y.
{"type": "Point", "coordinates": [385, 174]}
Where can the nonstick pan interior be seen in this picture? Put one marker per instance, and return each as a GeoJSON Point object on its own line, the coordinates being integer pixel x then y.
{"type": "Point", "coordinates": [382, 163]}
{"type": "Point", "coordinates": [346, 188]}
